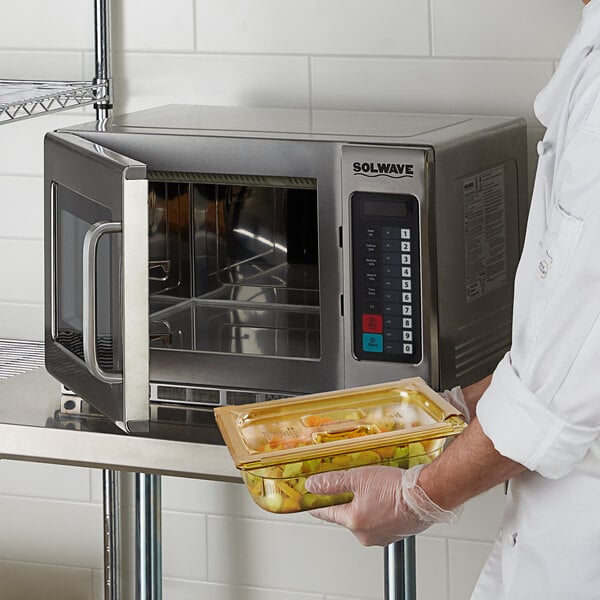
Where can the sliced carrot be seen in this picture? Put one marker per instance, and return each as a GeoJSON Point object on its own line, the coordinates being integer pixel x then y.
{"type": "Point", "coordinates": [315, 421]}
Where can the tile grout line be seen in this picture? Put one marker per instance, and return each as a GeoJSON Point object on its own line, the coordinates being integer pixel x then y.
{"type": "Point", "coordinates": [431, 30]}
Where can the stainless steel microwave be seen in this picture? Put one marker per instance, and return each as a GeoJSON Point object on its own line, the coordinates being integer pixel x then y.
{"type": "Point", "coordinates": [209, 255]}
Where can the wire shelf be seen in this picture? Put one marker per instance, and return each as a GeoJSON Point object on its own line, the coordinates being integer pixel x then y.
{"type": "Point", "coordinates": [17, 357]}
{"type": "Point", "coordinates": [26, 99]}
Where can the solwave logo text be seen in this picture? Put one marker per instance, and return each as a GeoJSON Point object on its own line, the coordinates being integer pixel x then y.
{"type": "Point", "coordinates": [392, 170]}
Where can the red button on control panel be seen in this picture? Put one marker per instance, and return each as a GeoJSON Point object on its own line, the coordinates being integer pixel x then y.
{"type": "Point", "coordinates": [372, 323]}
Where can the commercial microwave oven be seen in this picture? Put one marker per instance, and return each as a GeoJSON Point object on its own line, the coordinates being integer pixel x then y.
{"type": "Point", "coordinates": [209, 255]}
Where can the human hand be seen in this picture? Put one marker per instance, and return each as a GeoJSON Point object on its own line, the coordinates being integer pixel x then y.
{"type": "Point", "coordinates": [388, 505]}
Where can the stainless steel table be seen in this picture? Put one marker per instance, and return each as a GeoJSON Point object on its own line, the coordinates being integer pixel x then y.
{"type": "Point", "coordinates": [39, 424]}
{"type": "Point", "coordinates": [32, 427]}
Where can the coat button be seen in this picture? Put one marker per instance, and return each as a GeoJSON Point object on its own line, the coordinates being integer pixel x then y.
{"type": "Point", "coordinates": [588, 50]}
{"type": "Point", "coordinates": [513, 539]}
{"type": "Point", "coordinates": [542, 147]}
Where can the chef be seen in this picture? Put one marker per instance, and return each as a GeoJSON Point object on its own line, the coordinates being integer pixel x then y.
{"type": "Point", "coordinates": [536, 420]}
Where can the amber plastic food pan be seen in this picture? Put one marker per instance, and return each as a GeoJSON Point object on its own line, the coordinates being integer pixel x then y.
{"type": "Point", "coordinates": [277, 444]}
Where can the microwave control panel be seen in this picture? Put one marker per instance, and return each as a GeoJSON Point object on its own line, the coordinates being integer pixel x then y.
{"type": "Point", "coordinates": [387, 277]}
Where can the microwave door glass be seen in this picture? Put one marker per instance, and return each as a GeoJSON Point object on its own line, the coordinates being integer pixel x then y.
{"type": "Point", "coordinates": [76, 216]}
{"type": "Point", "coordinates": [234, 265]}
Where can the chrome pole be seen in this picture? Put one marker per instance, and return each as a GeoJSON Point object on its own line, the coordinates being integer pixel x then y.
{"type": "Point", "coordinates": [148, 563]}
{"type": "Point", "coordinates": [102, 52]}
{"type": "Point", "coordinates": [110, 479]}
{"type": "Point", "coordinates": [112, 527]}
{"type": "Point", "coordinates": [400, 570]}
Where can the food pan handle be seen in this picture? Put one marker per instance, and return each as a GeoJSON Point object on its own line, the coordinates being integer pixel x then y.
{"type": "Point", "coordinates": [90, 250]}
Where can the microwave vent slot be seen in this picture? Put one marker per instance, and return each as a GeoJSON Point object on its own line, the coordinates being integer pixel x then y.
{"type": "Point", "coordinates": [475, 352]}
{"type": "Point", "coordinates": [236, 397]}
{"type": "Point", "coordinates": [304, 183]}
{"type": "Point", "coordinates": [247, 397]}
{"type": "Point", "coordinates": [173, 393]}
{"type": "Point", "coordinates": [276, 396]}
{"type": "Point", "coordinates": [200, 396]}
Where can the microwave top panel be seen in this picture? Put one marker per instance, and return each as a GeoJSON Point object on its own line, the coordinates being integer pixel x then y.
{"type": "Point", "coordinates": [282, 123]}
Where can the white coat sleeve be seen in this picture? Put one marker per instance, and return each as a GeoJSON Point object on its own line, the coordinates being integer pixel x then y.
{"type": "Point", "coordinates": [543, 406]}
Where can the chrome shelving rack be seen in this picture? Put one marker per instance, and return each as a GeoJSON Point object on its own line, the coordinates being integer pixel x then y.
{"type": "Point", "coordinates": [21, 100]}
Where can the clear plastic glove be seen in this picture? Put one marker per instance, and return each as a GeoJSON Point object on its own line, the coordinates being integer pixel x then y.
{"type": "Point", "coordinates": [388, 505]}
{"type": "Point", "coordinates": [456, 398]}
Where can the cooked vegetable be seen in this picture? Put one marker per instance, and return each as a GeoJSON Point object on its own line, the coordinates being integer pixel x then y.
{"type": "Point", "coordinates": [281, 489]}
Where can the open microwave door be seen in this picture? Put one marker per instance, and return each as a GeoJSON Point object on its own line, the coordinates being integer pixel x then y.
{"type": "Point", "coordinates": [96, 277]}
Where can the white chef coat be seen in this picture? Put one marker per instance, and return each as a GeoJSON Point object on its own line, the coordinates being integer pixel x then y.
{"type": "Point", "coordinates": [542, 408]}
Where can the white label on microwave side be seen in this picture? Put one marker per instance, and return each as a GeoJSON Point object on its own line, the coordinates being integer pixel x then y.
{"type": "Point", "coordinates": [484, 197]}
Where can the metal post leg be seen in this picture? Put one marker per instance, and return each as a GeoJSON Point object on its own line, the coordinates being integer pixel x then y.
{"type": "Point", "coordinates": [148, 564]}
{"type": "Point", "coordinates": [400, 570]}
{"type": "Point", "coordinates": [102, 52]}
{"type": "Point", "coordinates": [111, 501]}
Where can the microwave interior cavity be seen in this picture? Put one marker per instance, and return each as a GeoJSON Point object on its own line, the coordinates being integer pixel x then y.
{"type": "Point", "coordinates": [234, 264]}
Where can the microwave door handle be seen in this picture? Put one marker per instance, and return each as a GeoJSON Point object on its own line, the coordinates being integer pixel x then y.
{"type": "Point", "coordinates": [90, 250]}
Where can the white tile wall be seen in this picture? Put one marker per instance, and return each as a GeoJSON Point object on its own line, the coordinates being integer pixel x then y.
{"type": "Point", "coordinates": [379, 27]}
{"type": "Point", "coordinates": [510, 29]}
{"type": "Point", "coordinates": [195, 590]}
{"type": "Point", "coordinates": [36, 480]}
{"type": "Point", "coordinates": [25, 581]}
{"type": "Point", "coordinates": [21, 207]}
{"type": "Point", "coordinates": [68, 24]}
{"type": "Point", "coordinates": [429, 85]}
{"type": "Point", "coordinates": [51, 532]}
{"type": "Point", "coordinates": [155, 25]}
{"type": "Point", "coordinates": [432, 567]}
{"type": "Point", "coordinates": [465, 562]}
{"type": "Point", "coordinates": [293, 556]}
{"type": "Point", "coordinates": [186, 549]}
{"type": "Point", "coordinates": [428, 55]}
{"type": "Point", "coordinates": [232, 80]}
{"type": "Point", "coordinates": [38, 64]}
{"type": "Point", "coordinates": [23, 271]}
